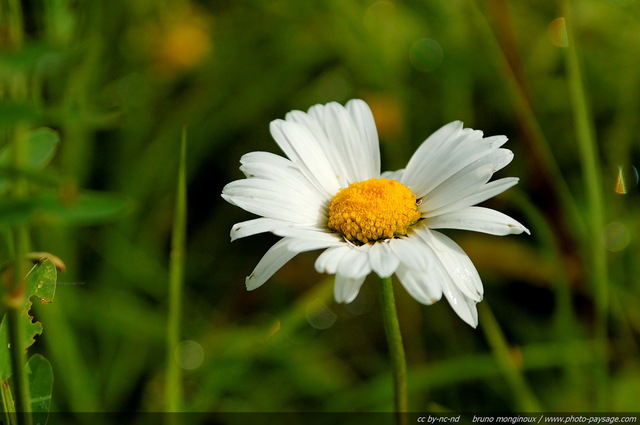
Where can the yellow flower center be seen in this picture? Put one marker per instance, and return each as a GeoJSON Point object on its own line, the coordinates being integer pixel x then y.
{"type": "Point", "coordinates": [372, 210]}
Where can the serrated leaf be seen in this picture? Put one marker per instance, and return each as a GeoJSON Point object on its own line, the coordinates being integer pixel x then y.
{"type": "Point", "coordinates": [40, 283]}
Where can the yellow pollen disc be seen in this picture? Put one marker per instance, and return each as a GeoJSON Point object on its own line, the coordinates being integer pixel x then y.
{"type": "Point", "coordinates": [372, 210]}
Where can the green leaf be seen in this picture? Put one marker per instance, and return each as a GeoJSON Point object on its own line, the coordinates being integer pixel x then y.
{"type": "Point", "coordinates": [40, 385]}
{"type": "Point", "coordinates": [16, 211]}
{"type": "Point", "coordinates": [84, 208]}
{"type": "Point", "coordinates": [40, 283]}
{"type": "Point", "coordinates": [7, 407]}
{"type": "Point", "coordinates": [40, 145]}
{"type": "Point", "coordinates": [12, 112]}
{"type": "Point", "coordinates": [29, 57]}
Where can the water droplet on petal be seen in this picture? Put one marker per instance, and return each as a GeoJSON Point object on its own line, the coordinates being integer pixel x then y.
{"type": "Point", "coordinates": [452, 298]}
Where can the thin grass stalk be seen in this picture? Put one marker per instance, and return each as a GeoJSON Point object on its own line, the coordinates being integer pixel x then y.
{"type": "Point", "coordinates": [173, 389]}
{"type": "Point", "coordinates": [546, 162]}
{"type": "Point", "coordinates": [566, 323]}
{"type": "Point", "coordinates": [524, 396]}
{"type": "Point", "coordinates": [396, 349]}
{"type": "Point", "coordinates": [17, 90]}
{"type": "Point", "coordinates": [592, 177]}
{"type": "Point", "coordinates": [17, 293]}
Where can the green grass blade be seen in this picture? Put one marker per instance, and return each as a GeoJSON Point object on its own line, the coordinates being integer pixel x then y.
{"type": "Point", "coordinates": [595, 215]}
{"type": "Point", "coordinates": [174, 397]}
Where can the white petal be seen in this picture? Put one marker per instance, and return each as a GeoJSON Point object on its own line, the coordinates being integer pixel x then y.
{"type": "Point", "coordinates": [355, 264]}
{"type": "Point", "coordinates": [329, 260]}
{"type": "Point", "coordinates": [456, 149]}
{"type": "Point", "coordinates": [478, 219]}
{"type": "Point", "coordinates": [256, 226]}
{"type": "Point", "coordinates": [343, 133]}
{"type": "Point", "coordinates": [303, 149]}
{"type": "Point", "coordinates": [421, 162]}
{"type": "Point", "coordinates": [466, 181]}
{"type": "Point", "coordinates": [461, 153]}
{"type": "Point", "coordinates": [423, 286]}
{"type": "Point", "coordinates": [314, 241]}
{"type": "Point", "coordinates": [454, 189]}
{"type": "Point", "coordinates": [346, 289]}
{"type": "Point", "coordinates": [489, 190]}
{"type": "Point", "coordinates": [273, 200]}
{"type": "Point", "coordinates": [268, 166]}
{"type": "Point", "coordinates": [347, 136]}
{"type": "Point", "coordinates": [463, 306]}
{"type": "Point", "coordinates": [311, 233]}
{"type": "Point", "coordinates": [383, 262]}
{"type": "Point", "coordinates": [313, 122]}
{"type": "Point", "coordinates": [499, 158]}
{"type": "Point", "coordinates": [456, 263]}
{"type": "Point", "coordinates": [393, 175]}
{"type": "Point", "coordinates": [277, 256]}
{"type": "Point", "coordinates": [411, 252]}
{"type": "Point", "coordinates": [363, 118]}
{"type": "Point", "coordinates": [449, 271]}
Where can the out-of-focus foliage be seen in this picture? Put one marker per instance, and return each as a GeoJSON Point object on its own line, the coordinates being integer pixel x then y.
{"type": "Point", "coordinates": [117, 80]}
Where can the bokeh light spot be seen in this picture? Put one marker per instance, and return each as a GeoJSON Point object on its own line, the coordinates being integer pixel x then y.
{"type": "Point", "coordinates": [616, 236]}
{"type": "Point", "coordinates": [426, 54]}
{"type": "Point", "coordinates": [319, 315]}
{"type": "Point", "coordinates": [189, 355]}
{"type": "Point", "coordinates": [558, 33]}
{"type": "Point", "coordinates": [363, 302]}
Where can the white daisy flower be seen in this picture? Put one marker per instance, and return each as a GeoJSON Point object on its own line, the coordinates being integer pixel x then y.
{"type": "Point", "coordinates": [329, 194]}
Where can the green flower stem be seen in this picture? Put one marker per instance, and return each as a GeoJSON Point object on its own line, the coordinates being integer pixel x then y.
{"type": "Point", "coordinates": [396, 350]}
{"type": "Point", "coordinates": [592, 176]}
{"type": "Point", "coordinates": [173, 389]}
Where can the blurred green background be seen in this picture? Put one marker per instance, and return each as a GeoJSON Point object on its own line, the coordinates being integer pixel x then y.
{"type": "Point", "coordinates": [118, 80]}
